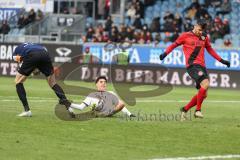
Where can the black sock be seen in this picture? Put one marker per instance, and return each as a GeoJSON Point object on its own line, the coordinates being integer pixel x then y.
{"type": "Point", "coordinates": [22, 96]}
{"type": "Point", "coordinates": [59, 92]}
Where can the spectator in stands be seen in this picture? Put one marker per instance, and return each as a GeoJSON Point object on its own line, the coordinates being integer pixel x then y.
{"type": "Point", "coordinates": [113, 35]}
{"type": "Point", "coordinates": [155, 25]}
{"type": "Point", "coordinates": [226, 26]}
{"type": "Point", "coordinates": [210, 23]}
{"type": "Point", "coordinates": [145, 28]}
{"type": "Point", "coordinates": [168, 16]}
{"type": "Point", "coordinates": [167, 38]}
{"type": "Point", "coordinates": [201, 12]}
{"type": "Point", "coordinates": [207, 17]}
{"type": "Point", "coordinates": [108, 24]}
{"type": "Point", "coordinates": [105, 37]}
{"type": "Point", "coordinates": [20, 22]}
{"type": "Point", "coordinates": [5, 28]}
{"type": "Point", "coordinates": [39, 15]}
{"type": "Point", "coordinates": [140, 8]}
{"type": "Point", "coordinates": [187, 24]}
{"type": "Point", "coordinates": [169, 26]}
{"type": "Point", "coordinates": [157, 38]}
{"type": "Point", "coordinates": [225, 8]}
{"type": "Point", "coordinates": [123, 32]}
{"type": "Point", "coordinates": [100, 27]}
{"type": "Point", "coordinates": [94, 39]}
{"type": "Point", "coordinates": [148, 37]}
{"type": "Point", "coordinates": [86, 57]}
{"type": "Point", "coordinates": [217, 30]}
{"type": "Point", "coordinates": [227, 43]}
{"type": "Point", "coordinates": [84, 39]}
{"type": "Point", "coordinates": [26, 20]}
{"type": "Point", "coordinates": [172, 25]}
{"type": "Point", "coordinates": [194, 5]}
{"type": "Point", "coordinates": [192, 12]}
{"type": "Point", "coordinates": [129, 33]}
{"type": "Point", "coordinates": [137, 22]}
{"type": "Point", "coordinates": [178, 20]}
{"type": "Point", "coordinates": [214, 3]}
{"type": "Point", "coordinates": [136, 36]}
{"type": "Point", "coordinates": [31, 16]}
{"type": "Point", "coordinates": [141, 38]}
{"type": "Point", "coordinates": [98, 34]}
{"type": "Point", "coordinates": [174, 36]}
{"type": "Point", "coordinates": [131, 12]}
{"type": "Point", "coordinates": [90, 33]}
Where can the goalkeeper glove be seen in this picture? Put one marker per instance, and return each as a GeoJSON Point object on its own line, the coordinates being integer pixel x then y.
{"type": "Point", "coordinates": [227, 63]}
{"type": "Point", "coordinates": [162, 56]}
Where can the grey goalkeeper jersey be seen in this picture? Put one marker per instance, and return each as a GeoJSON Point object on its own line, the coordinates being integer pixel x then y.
{"type": "Point", "coordinates": [103, 101]}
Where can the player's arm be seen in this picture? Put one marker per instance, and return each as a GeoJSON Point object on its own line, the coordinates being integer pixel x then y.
{"type": "Point", "coordinates": [87, 102]}
{"type": "Point", "coordinates": [178, 42]}
{"type": "Point", "coordinates": [119, 106]}
{"type": "Point", "coordinates": [214, 54]}
{"type": "Point", "coordinates": [16, 57]}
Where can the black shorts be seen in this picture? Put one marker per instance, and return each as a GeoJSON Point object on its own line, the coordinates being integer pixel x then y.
{"type": "Point", "coordinates": [38, 59]}
{"type": "Point", "coordinates": [198, 73]}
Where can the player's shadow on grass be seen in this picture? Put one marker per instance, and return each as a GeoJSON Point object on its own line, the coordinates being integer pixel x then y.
{"type": "Point", "coordinates": [63, 114]}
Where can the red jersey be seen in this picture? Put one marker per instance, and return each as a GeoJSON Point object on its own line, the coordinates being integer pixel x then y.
{"type": "Point", "coordinates": [193, 48]}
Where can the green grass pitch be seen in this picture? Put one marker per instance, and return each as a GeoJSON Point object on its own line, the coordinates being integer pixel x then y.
{"type": "Point", "coordinates": [44, 136]}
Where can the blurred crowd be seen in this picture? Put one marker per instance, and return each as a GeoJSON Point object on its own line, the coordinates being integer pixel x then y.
{"type": "Point", "coordinates": [136, 29]}
{"type": "Point", "coordinates": [23, 20]}
{"type": "Point", "coordinates": [29, 17]}
{"type": "Point", "coordinates": [167, 31]}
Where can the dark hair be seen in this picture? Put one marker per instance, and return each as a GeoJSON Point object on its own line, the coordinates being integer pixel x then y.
{"type": "Point", "coordinates": [202, 23]}
{"type": "Point", "coordinates": [101, 77]}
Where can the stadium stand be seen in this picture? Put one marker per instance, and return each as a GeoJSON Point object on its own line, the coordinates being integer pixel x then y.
{"type": "Point", "coordinates": [145, 21]}
{"type": "Point", "coordinates": [170, 21]}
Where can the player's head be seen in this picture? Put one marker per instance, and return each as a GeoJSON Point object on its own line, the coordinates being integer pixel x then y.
{"type": "Point", "coordinates": [101, 83]}
{"type": "Point", "coordinates": [199, 27]}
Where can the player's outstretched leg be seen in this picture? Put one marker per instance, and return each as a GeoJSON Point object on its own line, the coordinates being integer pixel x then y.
{"type": "Point", "coordinates": [22, 95]}
{"type": "Point", "coordinates": [60, 94]}
{"type": "Point", "coordinates": [186, 108]}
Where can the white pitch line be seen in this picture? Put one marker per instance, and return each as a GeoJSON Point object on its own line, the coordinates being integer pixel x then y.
{"type": "Point", "coordinates": [32, 100]}
{"type": "Point", "coordinates": [184, 101]}
{"type": "Point", "coordinates": [201, 157]}
{"type": "Point", "coordinates": [14, 97]}
{"type": "Point", "coordinates": [43, 99]}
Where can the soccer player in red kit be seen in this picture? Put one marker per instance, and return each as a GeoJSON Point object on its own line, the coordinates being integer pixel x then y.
{"type": "Point", "coordinates": [194, 43]}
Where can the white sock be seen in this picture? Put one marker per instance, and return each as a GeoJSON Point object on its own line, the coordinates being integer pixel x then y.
{"type": "Point", "coordinates": [70, 110]}
{"type": "Point", "coordinates": [126, 111]}
{"type": "Point", "coordinates": [78, 106]}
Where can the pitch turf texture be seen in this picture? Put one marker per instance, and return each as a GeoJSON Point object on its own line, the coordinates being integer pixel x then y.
{"type": "Point", "coordinates": [44, 136]}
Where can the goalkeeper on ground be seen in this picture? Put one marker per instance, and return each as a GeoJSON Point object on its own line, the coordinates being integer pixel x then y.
{"type": "Point", "coordinates": [104, 103]}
